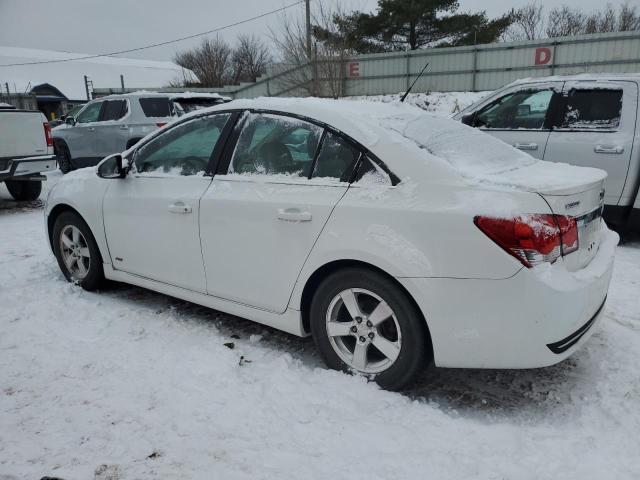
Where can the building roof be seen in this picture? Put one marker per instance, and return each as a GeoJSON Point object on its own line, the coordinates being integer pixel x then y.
{"type": "Point", "coordinates": [68, 77]}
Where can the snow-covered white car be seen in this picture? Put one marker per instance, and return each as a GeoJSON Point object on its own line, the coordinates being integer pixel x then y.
{"type": "Point", "coordinates": [392, 236]}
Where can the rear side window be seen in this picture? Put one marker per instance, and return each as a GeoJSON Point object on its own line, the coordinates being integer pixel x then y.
{"type": "Point", "coordinates": [592, 109]}
{"type": "Point", "coordinates": [275, 145]}
{"type": "Point", "coordinates": [114, 110]}
{"type": "Point", "coordinates": [156, 106]}
{"type": "Point", "coordinates": [337, 158]}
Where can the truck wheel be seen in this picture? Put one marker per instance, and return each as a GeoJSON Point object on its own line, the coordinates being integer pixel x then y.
{"type": "Point", "coordinates": [24, 190]}
{"type": "Point", "coordinates": [64, 158]}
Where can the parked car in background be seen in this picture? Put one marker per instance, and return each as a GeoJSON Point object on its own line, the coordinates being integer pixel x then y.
{"type": "Point", "coordinates": [587, 120]}
{"type": "Point", "coordinates": [26, 150]}
{"type": "Point", "coordinates": [71, 113]}
{"type": "Point", "coordinates": [112, 124]}
{"type": "Point", "coordinates": [392, 236]}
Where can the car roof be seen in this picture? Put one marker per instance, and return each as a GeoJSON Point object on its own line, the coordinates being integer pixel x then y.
{"type": "Point", "coordinates": [147, 94]}
{"type": "Point", "coordinates": [578, 77]}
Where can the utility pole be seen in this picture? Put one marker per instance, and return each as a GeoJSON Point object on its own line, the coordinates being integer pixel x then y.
{"type": "Point", "coordinates": [308, 18]}
{"type": "Point", "coordinates": [86, 87]}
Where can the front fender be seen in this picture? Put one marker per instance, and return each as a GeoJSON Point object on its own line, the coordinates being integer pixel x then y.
{"type": "Point", "coordinates": [83, 191]}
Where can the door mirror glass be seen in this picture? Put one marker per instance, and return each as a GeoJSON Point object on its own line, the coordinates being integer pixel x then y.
{"type": "Point", "coordinates": [112, 167]}
{"type": "Point", "coordinates": [70, 121]}
{"type": "Point", "coordinates": [468, 119]}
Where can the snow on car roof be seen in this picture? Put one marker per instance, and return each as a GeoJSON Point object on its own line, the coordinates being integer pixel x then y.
{"type": "Point", "coordinates": [476, 156]}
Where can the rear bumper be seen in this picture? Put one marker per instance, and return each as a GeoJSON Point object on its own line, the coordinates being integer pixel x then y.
{"type": "Point", "coordinates": [534, 319]}
{"type": "Point", "coordinates": [27, 166]}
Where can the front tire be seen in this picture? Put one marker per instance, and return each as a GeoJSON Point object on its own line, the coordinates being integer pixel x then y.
{"type": "Point", "coordinates": [77, 252]}
{"type": "Point", "coordinates": [24, 190]}
{"type": "Point", "coordinates": [362, 322]}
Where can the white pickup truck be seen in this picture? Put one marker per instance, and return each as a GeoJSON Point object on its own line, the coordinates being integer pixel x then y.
{"type": "Point", "coordinates": [589, 120]}
{"type": "Point", "coordinates": [26, 150]}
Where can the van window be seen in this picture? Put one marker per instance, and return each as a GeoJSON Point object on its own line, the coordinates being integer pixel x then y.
{"type": "Point", "coordinates": [156, 106]}
{"type": "Point", "coordinates": [592, 109]}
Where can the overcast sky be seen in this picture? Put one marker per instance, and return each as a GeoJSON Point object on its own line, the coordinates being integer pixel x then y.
{"type": "Point", "coordinates": [97, 26]}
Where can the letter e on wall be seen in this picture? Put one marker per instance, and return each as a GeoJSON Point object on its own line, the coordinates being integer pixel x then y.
{"type": "Point", "coordinates": [354, 69]}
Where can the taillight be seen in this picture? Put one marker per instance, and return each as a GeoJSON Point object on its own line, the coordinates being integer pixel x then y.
{"type": "Point", "coordinates": [47, 134]}
{"type": "Point", "coordinates": [161, 124]}
{"type": "Point", "coordinates": [532, 238]}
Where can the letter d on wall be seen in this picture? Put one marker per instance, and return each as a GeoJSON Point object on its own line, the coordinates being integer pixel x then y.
{"type": "Point", "coordinates": [543, 55]}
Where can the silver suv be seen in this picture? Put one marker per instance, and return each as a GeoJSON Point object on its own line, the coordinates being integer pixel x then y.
{"type": "Point", "coordinates": [113, 124]}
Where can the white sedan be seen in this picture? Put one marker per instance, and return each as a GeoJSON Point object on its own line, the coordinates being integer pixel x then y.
{"type": "Point", "coordinates": [394, 237]}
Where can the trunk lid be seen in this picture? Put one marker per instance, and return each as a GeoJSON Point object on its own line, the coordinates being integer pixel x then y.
{"type": "Point", "coordinates": [584, 203]}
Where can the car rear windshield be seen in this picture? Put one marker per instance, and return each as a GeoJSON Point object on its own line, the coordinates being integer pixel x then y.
{"type": "Point", "coordinates": [156, 106]}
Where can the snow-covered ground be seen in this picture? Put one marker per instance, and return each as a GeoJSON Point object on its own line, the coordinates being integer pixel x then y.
{"type": "Point", "coordinates": [130, 384]}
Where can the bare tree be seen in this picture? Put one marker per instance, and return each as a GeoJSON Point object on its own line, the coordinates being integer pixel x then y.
{"type": "Point", "coordinates": [250, 58]}
{"type": "Point", "coordinates": [210, 61]}
{"type": "Point", "coordinates": [324, 73]}
{"type": "Point", "coordinates": [565, 21]}
{"type": "Point", "coordinates": [628, 18]}
{"type": "Point", "coordinates": [528, 23]}
{"type": "Point", "coordinates": [602, 21]}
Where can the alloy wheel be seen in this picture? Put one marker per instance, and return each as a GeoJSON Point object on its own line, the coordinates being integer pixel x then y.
{"type": "Point", "coordinates": [75, 252]}
{"type": "Point", "coordinates": [363, 330]}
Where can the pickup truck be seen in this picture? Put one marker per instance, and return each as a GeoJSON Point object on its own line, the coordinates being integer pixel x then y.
{"type": "Point", "coordinates": [589, 120]}
{"type": "Point", "coordinates": [26, 150]}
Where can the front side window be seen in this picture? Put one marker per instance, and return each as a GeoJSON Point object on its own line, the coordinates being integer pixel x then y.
{"type": "Point", "coordinates": [90, 114]}
{"type": "Point", "coordinates": [275, 145]}
{"type": "Point", "coordinates": [525, 109]}
{"type": "Point", "coordinates": [592, 109]}
{"type": "Point", "coordinates": [183, 150]}
{"type": "Point", "coordinates": [114, 110]}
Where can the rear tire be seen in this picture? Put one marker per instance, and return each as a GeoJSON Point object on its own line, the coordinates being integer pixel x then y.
{"type": "Point", "coordinates": [24, 190]}
{"type": "Point", "coordinates": [64, 158]}
{"type": "Point", "coordinates": [366, 311]}
{"type": "Point", "coordinates": [76, 250]}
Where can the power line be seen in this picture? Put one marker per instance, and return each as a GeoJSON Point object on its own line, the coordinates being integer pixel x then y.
{"type": "Point", "coordinates": [146, 47]}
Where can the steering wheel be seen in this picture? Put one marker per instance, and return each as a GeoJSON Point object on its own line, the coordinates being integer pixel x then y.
{"type": "Point", "coordinates": [192, 165]}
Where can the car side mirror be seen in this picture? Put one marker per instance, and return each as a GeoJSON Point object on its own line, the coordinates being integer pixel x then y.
{"type": "Point", "coordinates": [112, 167]}
{"type": "Point", "coordinates": [468, 119]}
{"type": "Point", "coordinates": [70, 121]}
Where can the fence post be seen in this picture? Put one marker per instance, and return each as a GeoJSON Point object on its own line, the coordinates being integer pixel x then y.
{"type": "Point", "coordinates": [475, 67]}
{"type": "Point", "coordinates": [408, 71]}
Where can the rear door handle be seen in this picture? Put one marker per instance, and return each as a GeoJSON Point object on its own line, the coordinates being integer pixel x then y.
{"type": "Point", "coordinates": [526, 146]}
{"type": "Point", "coordinates": [608, 149]}
{"type": "Point", "coordinates": [124, 127]}
{"type": "Point", "coordinates": [180, 207]}
{"type": "Point", "coordinates": [293, 215]}
{"type": "Point", "coordinates": [92, 129]}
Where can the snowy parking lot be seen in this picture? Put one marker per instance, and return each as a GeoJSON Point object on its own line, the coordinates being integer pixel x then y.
{"type": "Point", "coordinates": [127, 383]}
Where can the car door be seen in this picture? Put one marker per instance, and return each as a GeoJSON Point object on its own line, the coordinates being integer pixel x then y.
{"type": "Point", "coordinates": [265, 210]}
{"type": "Point", "coordinates": [595, 128]}
{"type": "Point", "coordinates": [520, 117]}
{"type": "Point", "coordinates": [151, 215]}
{"type": "Point", "coordinates": [81, 137]}
{"type": "Point", "coordinates": [111, 132]}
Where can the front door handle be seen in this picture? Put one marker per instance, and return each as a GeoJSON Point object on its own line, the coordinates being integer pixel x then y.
{"type": "Point", "coordinates": [180, 207]}
{"type": "Point", "coordinates": [92, 129]}
{"type": "Point", "coordinates": [293, 215]}
{"type": "Point", "coordinates": [608, 149]}
{"type": "Point", "coordinates": [124, 127]}
{"type": "Point", "coordinates": [526, 146]}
